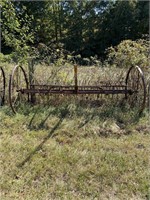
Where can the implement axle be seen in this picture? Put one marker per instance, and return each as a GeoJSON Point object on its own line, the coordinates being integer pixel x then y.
{"type": "Point", "coordinates": [69, 90]}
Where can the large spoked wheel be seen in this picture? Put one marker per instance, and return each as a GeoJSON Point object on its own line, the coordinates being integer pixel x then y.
{"type": "Point", "coordinates": [135, 83]}
{"type": "Point", "coordinates": [18, 81]}
{"type": "Point", "coordinates": [2, 86]}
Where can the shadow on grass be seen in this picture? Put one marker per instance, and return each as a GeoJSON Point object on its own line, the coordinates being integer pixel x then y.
{"type": "Point", "coordinates": [50, 135]}
{"type": "Point", "coordinates": [88, 119]}
{"type": "Point", "coordinates": [85, 112]}
{"type": "Point", "coordinates": [85, 109]}
{"type": "Point", "coordinates": [37, 123]}
{"type": "Point", "coordinates": [41, 124]}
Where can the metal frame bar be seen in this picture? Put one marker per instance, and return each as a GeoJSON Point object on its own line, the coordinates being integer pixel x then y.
{"type": "Point", "coordinates": [67, 90]}
{"type": "Point", "coordinates": [103, 88]}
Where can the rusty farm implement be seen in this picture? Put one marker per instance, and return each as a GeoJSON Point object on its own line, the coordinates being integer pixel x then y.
{"type": "Point", "coordinates": [133, 89]}
{"type": "Point", "coordinates": [2, 86]}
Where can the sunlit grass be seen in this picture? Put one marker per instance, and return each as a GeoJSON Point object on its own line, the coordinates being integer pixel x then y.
{"type": "Point", "coordinates": [73, 152]}
{"type": "Point", "coordinates": [70, 147]}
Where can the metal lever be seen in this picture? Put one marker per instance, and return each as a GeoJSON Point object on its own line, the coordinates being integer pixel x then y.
{"type": "Point", "coordinates": [75, 79]}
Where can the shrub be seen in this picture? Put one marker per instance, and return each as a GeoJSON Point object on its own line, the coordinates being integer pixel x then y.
{"type": "Point", "coordinates": [129, 53]}
{"type": "Point", "coordinates": [5, 58]}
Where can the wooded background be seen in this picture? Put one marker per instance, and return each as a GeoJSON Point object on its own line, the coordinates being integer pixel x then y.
{"type": "Point", "coordinates": [85, 28]}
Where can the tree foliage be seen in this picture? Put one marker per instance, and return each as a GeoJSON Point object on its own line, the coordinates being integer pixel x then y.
{"type": "Point", "coordinates": [128, 53]}
{"type": "Point", "coordinates": [16, 31]}
{"type": "Point", "coordinates": [82, 27]}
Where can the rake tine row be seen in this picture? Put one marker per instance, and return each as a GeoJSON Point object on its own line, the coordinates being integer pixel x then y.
{"type": "Point", "coordinates": [133, 89]}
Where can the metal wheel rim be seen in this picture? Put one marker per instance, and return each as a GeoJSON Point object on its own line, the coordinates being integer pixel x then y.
{"type": "Point", "coordinates": [2, 89]}
{"type": "Point", "coordinates": [135, 83]}
{"type": "Point", "coordinates": [12, 76]}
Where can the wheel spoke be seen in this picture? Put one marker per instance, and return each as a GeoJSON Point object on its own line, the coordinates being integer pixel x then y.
{"type": "Point", "coordinates": [18, 80]}
{"type": "Point", "coordinates": [135, 82]}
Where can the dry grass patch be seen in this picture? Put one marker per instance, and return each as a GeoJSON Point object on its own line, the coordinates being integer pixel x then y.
{"type": "Point", "coordinates": [73, 152]}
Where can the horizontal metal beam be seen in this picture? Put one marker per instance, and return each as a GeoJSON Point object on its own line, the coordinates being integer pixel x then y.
{"type": "Point", "coordinates": [72, 86]}
{"type": "Point", "coordinates": [68, 91]}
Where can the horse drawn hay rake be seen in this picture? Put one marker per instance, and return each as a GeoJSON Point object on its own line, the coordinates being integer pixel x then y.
{"type": "Point", "coordinates": [133, 89]}
{"type": "Point", "coordinates": [2, 86]}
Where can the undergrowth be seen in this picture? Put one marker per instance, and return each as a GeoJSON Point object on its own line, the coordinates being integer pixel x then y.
{"type": "Point", "coordinates": [74, 147]}
{"type": "Point", "coordinates": [73, 151]}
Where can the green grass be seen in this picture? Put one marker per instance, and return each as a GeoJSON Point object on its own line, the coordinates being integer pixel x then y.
{"type": "Point", "coordinates": [71, 151]}
{"type": "Point", "coordinates": [74, 148]}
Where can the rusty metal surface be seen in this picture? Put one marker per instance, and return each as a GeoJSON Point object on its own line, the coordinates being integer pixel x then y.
{"type": "Point", "coordinates": [75, 79]}
{"type": "Point", "coordinates": [72, 90]}
{"type": "Point", "coordinates": [133, 89]}
{"type": "Point", "coordinates": [135, 81]}
{"type": "Point", "coordinates": [2, 86]}
{"type": "Point", "coordinates": [17, 77]}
